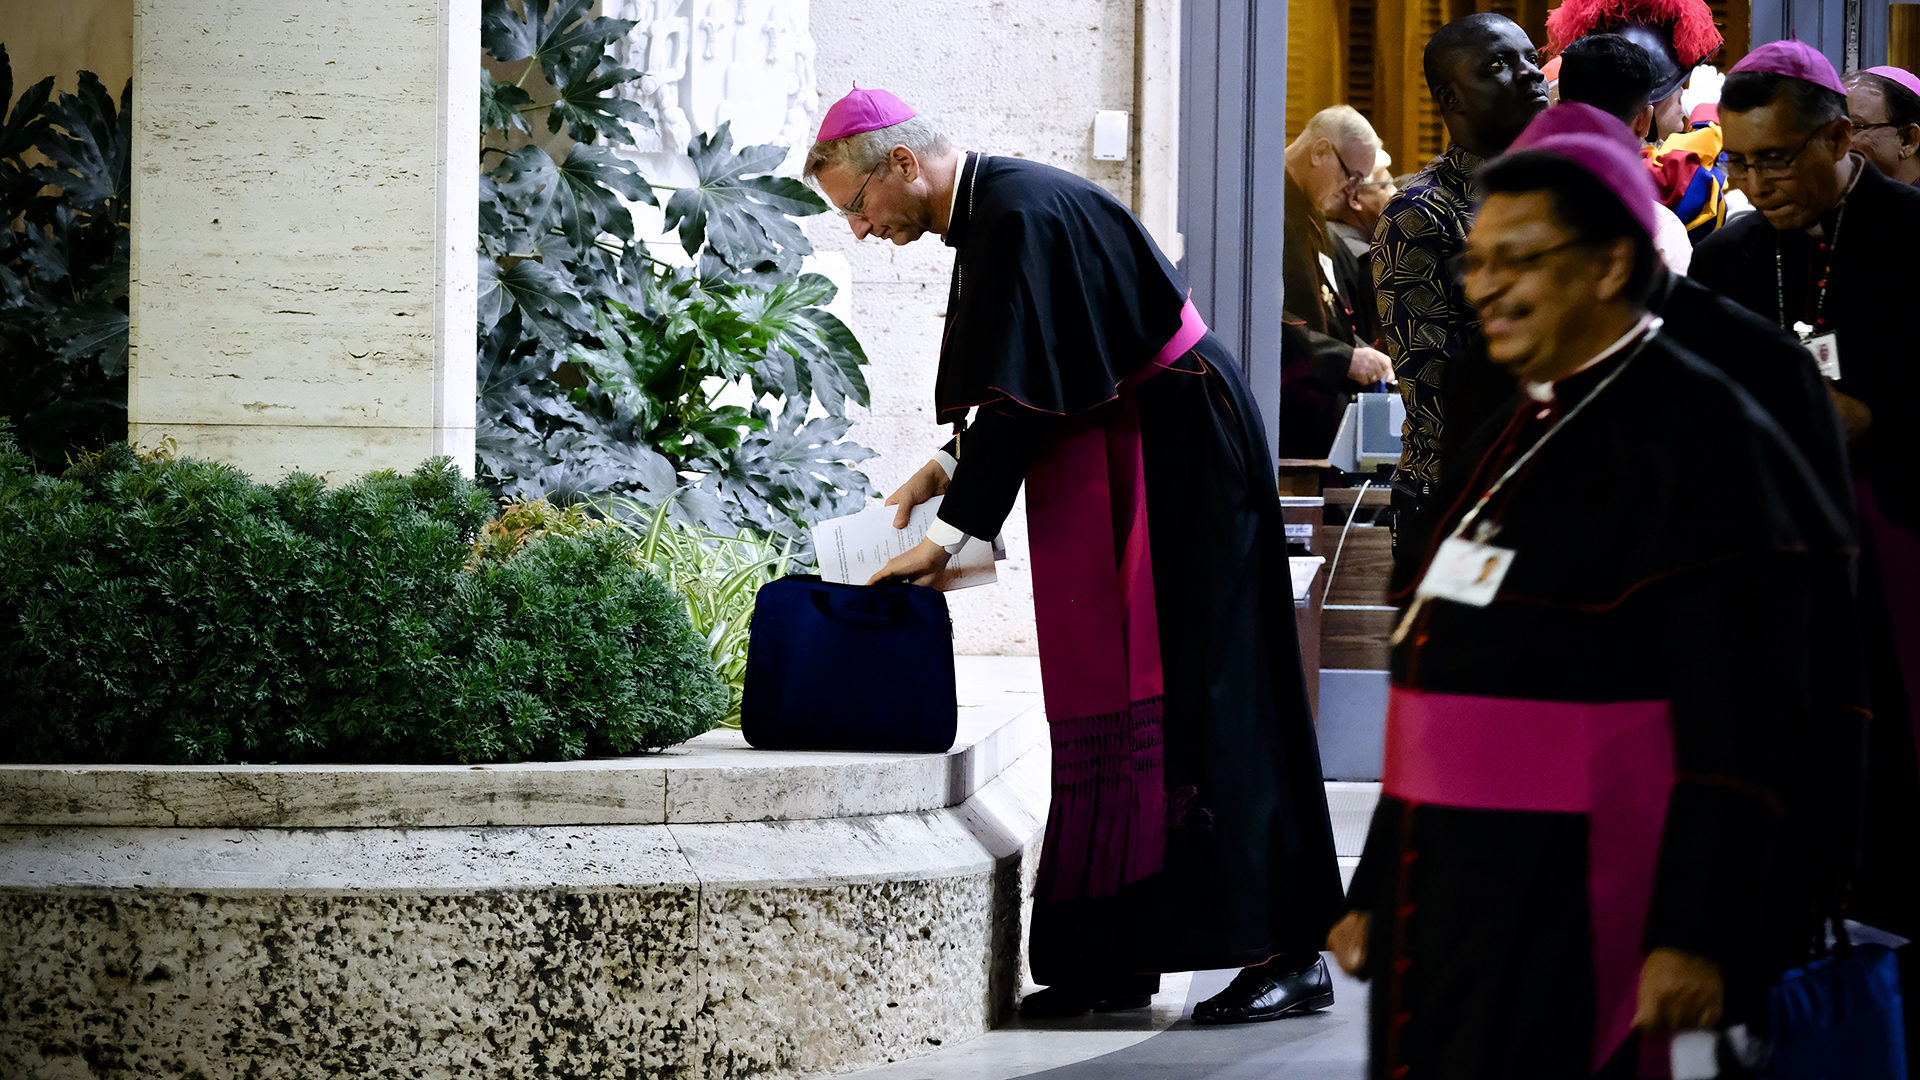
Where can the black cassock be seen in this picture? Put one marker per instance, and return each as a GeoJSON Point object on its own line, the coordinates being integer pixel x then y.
{"type": "Point", "coordinates": [1671, 546]}
{"type": "Point", "coordinates": [1059, 306]}
{"type": "Point", "coordinates": [1865, 254]}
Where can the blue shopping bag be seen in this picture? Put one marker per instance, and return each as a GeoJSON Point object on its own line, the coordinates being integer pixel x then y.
{"type": "Point", "coordinates": [1838, 1018]}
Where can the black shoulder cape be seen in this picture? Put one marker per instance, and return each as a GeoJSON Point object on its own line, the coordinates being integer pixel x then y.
{"type": "Point", "coordinates": [1058, 292]}
{"type": "Point", "coordinates": [1687, 469]}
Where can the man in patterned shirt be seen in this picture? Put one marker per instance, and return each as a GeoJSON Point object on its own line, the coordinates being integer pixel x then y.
{"type": "Point", "coordinates": [1486, 82]}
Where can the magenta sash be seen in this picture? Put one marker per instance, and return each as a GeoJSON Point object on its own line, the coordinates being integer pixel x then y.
{"type": "Point", "coordinates": [1612, 762]}
{"type": "Point", "coordinates": [1100, 647]}
{"type": "Point", "coordinates": [1896, 554]}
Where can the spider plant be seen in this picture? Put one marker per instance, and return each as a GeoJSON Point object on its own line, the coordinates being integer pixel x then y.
{"type": "Point", "coordinates": [718, 575]}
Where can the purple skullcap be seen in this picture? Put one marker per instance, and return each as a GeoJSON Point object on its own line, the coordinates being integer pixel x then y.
{"type": "Point", "coordinates": [1576, 118]}
{"type": "Point", "coordinates": [863, 110]}
{"type": "Point", "coordinates": [1605, 157]}
{"type": "Point", "coordinates": [1795, 60]}
{"type": "Point", "coordinates": [1897, 74]}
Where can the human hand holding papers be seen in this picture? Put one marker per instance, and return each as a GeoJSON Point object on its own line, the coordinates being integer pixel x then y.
{"type": "Point", "coordinates": [854, 548]}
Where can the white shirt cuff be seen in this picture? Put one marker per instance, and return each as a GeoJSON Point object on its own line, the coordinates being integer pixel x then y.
{"type": "Point", "coordinates": [946, 536]}
{"type": "Point", "coordinates": [946, 462]}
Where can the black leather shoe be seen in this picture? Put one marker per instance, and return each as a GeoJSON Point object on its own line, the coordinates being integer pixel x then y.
{"type": "Point", "coordinates": [1068, 1000]}
{"type": "Point", "coordinates": [1260, 994]}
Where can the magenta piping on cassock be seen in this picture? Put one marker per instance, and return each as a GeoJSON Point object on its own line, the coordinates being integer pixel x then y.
{"type": "Point", "coordinates": [1611, 761]}
{"type": "Point", "coordinates": [1099, 631]}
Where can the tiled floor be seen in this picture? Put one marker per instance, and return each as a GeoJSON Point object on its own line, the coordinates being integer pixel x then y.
{"type": "Point", "coordinates": [1162, 1044]}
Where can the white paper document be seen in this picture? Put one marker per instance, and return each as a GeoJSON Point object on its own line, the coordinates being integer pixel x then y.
{"type": "Point", "coordinates": [854, 548]}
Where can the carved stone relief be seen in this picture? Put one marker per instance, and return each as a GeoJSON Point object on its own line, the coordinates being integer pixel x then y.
{"type": "Point", "coordinates": [709, 62]}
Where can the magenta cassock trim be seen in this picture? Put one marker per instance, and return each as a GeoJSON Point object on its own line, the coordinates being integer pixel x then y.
{"type": "Point", "coordinates": [1612, 761]}
{"type": "Point", "coordinates": [1099, 636]}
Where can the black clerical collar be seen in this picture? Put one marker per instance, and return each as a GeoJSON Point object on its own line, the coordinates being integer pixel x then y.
{"type": "Point", "coordinates": [964, 185]}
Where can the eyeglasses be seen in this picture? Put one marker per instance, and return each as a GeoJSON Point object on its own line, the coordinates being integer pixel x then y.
{"type": "Point", "coordinates": [1861, 125]}
{"type": "Point", "coordinates": [1773, 167]}
{"type": "Point", "coordinates": [1355, 178]}
{"type": "Point", "coordinates": [1504, 264]}
{"type": "Point", "coordinates": [857, 206]}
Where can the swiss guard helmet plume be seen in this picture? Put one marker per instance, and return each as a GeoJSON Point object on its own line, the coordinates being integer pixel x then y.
{"type": "Point", "coordinates": [1688, 24]}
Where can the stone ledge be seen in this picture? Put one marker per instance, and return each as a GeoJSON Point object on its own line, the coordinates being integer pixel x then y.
{"type": "Point", "coordinates": [789, 854]}
{"type": "Point", "coordinates": [713, 778]}
{"type": "Point", "coordinates": [711, 951]}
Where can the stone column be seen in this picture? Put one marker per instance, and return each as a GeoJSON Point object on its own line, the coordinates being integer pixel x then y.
{"type": "Point", "coordinates": [305, 192]}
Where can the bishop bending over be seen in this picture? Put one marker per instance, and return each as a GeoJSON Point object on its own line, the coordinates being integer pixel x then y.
{"type": "Point", "coordinates": [1188, 827]}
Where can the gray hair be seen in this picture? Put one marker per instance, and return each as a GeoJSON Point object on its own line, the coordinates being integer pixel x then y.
{"type": "Point", "coordinates": [864, 151]}
{"type": "Point", "coordinates": [1341, 125]}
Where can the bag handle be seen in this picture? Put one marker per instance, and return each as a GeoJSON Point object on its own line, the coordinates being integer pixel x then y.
{"type": "Point", "coordinates": [887, 612]}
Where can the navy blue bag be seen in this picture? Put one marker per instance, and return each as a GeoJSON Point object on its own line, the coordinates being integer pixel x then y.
{"type": "Point", "coordinates": [1838, 1018]}
{"type": "Point", "coordinates": [849, 667]}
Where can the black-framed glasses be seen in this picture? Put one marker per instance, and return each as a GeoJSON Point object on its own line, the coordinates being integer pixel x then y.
{"type": "Point", "coordinates": [1771, 167]}
{"type": "Point", "coordinates": [859, 197]}
{"type": "Point", "coordinates": [1354, 178]}
{"type": "Point", "coordinates": [1470, 262]}
{"type": "Point", "coordinates": [1859, 125]}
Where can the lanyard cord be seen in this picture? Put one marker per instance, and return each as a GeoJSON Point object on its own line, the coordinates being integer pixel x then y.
{"type": "Point", "coordinates": [1826, 275]}
{"type": "Point", "coordinates": [1519, 463]}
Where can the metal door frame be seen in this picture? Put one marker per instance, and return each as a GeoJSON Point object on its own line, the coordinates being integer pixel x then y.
{"type": "Point", "coordinates": [1233, 117]}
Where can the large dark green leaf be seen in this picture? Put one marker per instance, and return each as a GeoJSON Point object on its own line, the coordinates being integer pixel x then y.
{"type": "Point", "coordinates": [94, 331]}
{"type": "Point", "coordinates": [500, 105]}
{"type": "Point", "coordinates": [19, 131]}
{"type": "Point", "coordinates": [792, 474]}
{"type": "Point", "coordinates": [527, 186]}
{"type": "Point", "coordinates": [90, 146]}
{"type": "Point", "coordinates": [810, 352]}
{"type": "Point", "coordinates": [556, 33]}
{"type": "Point", "coordinates": [741, 217]}
{"type": "Point", "coordinates": [589, 108]}
{"type": "Point", "coordinates": [592, 179]}
{"type": "Point", "coordinates": [545, 296]}
{"type": "Point", "coordinates": [44, 251]}
{"type": "Point", "coordinates": [529, 198]}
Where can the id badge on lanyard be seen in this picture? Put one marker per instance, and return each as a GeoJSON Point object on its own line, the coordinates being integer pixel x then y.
{"type": "Point", "coordinates": [1471, 571]}
{"type": "Point", "coordinates": [1825, 349]}
{"type": "Point", "coordinates": [1466, 572]}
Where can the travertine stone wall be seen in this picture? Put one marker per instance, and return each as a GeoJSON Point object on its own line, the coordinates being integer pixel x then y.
{"type": "Point", "coordinates": [305, 206]}
{"type": "Point", "coordinates": [1022, 78]}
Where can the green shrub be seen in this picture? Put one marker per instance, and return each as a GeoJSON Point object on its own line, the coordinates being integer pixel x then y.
{"type": "Point", "coordinates": [718, 576]}
{"type": "Point", "coordinates": [175, 611]}
{"type": "Point", "coordinates": [522, 521]}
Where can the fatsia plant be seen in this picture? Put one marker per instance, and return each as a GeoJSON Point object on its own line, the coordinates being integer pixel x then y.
{"type": "Point", "coordinates": [63, 265]}
{"type": "Point", "coordinates": [718, 389]}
